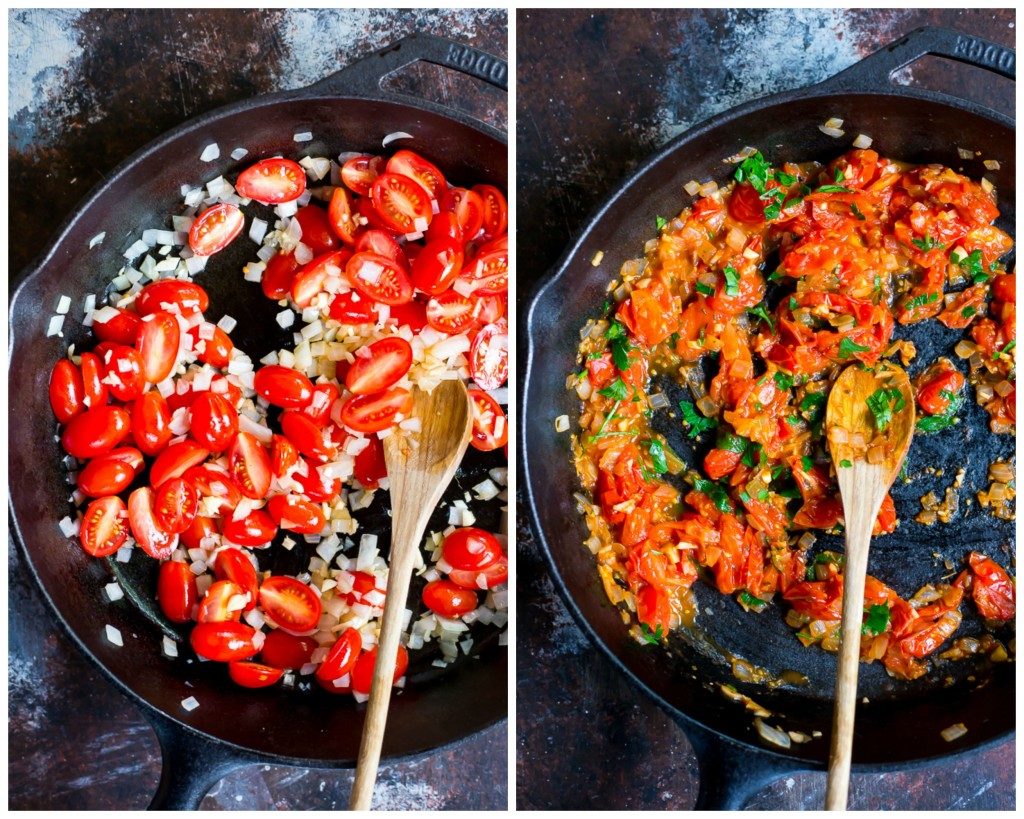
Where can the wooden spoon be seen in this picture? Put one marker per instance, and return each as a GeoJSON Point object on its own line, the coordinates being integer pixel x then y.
{"type": "Point", "coordinates": [418, 477]}
{"type": "Point", "coordinates": [867, 460]}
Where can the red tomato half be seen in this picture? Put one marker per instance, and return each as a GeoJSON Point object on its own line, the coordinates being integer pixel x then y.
{"type": "Point", "coordinates": [124, 370]}
{"type": "Point", "coordinates": [362, 672]}
{"type": "Point", "coordinates": [412, 165]}
{"type": "Point", "coordinates": [92, 380]}
{"type": "Point", "coordinates": [495, 211]}
{"type": "Point", "coordinates": [493, 575]}
{"type": "Point", "coordinates": [283, 650]}
{"type": "Point", "coordinates": [468, 209]}
{"type": "Point", "coordinates": [160, 295]}
{"type": "Point", "coordinates": [360, 172]}
{"type": "Point", "coordinates": [155, 541]}
{"type": "Point", "coordinates": [381, 243]}
{"type": "Point", "coordinates": [488, 357]}
{"type": "Point", "coordinates": [294, 513]}
{"type": "Point", "coordinates": [402, 203]}
{"type": "Point", "coordinates": [318, 410]}
{"type": "Point", "coordinates": [121, 329]}
{"type": "Point", "coordinates": [316, 229]}
{"type": "Point", "coordinates": [341, 659]}
{"type": "Point", "coordinates": [214, 421]}
{"type": "Point", "coordinates": [370, 467]}
{"type": "Point", "coordinates": [272, 181]}
{"type": "Point", "coordinates": [175, 505]}
{"type": "Point", "coordinates": [107, 475]}
{"type": "Point", "coordinates": [379, 365]}
{"type": "Point", "coordinates": [448, 599]}
{"type": "Point", "coordinates": [306, 435]}
{"type": "Point", "coordinates": [746, 205]}
{"type": "Point", "coordinates": [158, 346]}
{"type": "Point", "coordinates": [176, 591]}
{"type": "Point", "coordinates": [215, 228]}
{"type": "Point", "coordinates": [445, 225]}
{"type": "Point", "coordinates": [490, 427]}
{"type": "Point", "coordinates": [340, 218]}
{"type": "Point", "coordinates": [437, 266]}
{"type": "Point", "coordinates": [104, 527]}
{"type": "Point", "coordinates": [215, 605]}
{"type": "Point", "coordinates": [309, 280]}
{"type": "Point", "coordinates": [372, 413]}
{"type": "Point", "coordinates": [283, 455]}
{"type": "Point", "coordinates": [450, 313]}
{"type": "Point", "coordinates": [66, 391]}
{"type": "Point", "coordinates": [214, 351]}
{"type": "Point", "coordinates": [256, 529]}
{"type": "Point", "coordinates": [253, 675]}
{"type": "Point", "coordinates": [234, 565]}
{"type": "Point", "coordinates": [151, 422]}
{"type": "Point", "coordinates": [292, 605]}
{"type": "Point", "coordinates": [279, 276]}
{"type": "Point", "coordinates": [379, 278]}
{"type": "Point", "coordinates": [353, 308]}
{"type": "Point", "coordinates": [283, 386]}
{"type": "Point", "coordinates": [249, 465]}
{"type": "Point", "coordinates": [223, 642]}
{"type": "Point", "coordinates": [95, 432]}
{"type": "Point", "coordinates": [175, 460]}
{"type": "Point", "coordinates": [471, 549]}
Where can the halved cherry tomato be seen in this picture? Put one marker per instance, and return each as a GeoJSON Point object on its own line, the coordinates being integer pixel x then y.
{"type": "Point", "coordinates": [284, 650]}
{"type": "Point", "coordinates": [490, 427]}
{"type": "Point", "coordinates": [367, 212]}
{"type": "Point", "coordinates": [95, 432]}
{"type": "Point", "coordinates": [468, 209]}
{"type": "Point", "coordinates": [381, 243]}
{"type": "Point", "coordinates": [67, 392]}
{"type": "Point", "coordinates": [175, 460]}
{"type": "Point", "coordinates": [214, 606]}
{"type": "Point", "coordinates": [175, 505]}
{"type": "Point", "coordinates": [106, 475]}
{"type": "Point", "coordinates": [448, 599]}
{"type": "Point", "coordinates": [223, 642]}
{"type": "Point", "coordinates": [360, 172]}
{"type": "Point", "coordinates": [147, 531]}
{"type": "Point", "coordinates": [471, 549]}
{"type": "Point", "coordinates": [214, 421]}
{"type": "Point", "coordinates": [370, 467]}
{"type": "Point", "coordinates": [306, 435]}
{"type": "Point", "coordinates": [493, 575]}
{"type": "Point", "coordinates": [176, 591]}
{"type": "Point", "coordinates": [253, 675]}
{"type": "Point", "coordinates": [362, 672]}
{"type": "Point", "coordinates": [159, 296]}
{"type": "Point", "coordinates": [255, 529]}
{"type": "Point", "coordinates": [151, 422]}
{"type": "Point", "coordinates": [124, 371]}
{"type": "Point", "coordinates": [930, 396]}
{"type": "Point", "coordinates": [296, 514]}
{"type": "Point", "coordinates": [372, 413]}
{"type": "Point", "coordinates": [309, 280]}
{"type": "Point", "coordinates": [495, 210]}
{"type": "Point", "coordinates": [450, 313]}
{"type": "Point", "coordinates": [199, 529]}
{"type": "Point", "coordinates": [746, 205]}
{"type": "Point", "coordinates": [340, 218]}
{"type": "Point", "coordinates": [283, 386]}
{"type": "Point", "coordinates": [363, 583]}
{"type": "Point", "coordinates": [353, 308]}
{"type": "Point", "coordinates": [379, 278]}
{"type": "Point", "coordinates": [437, 266]}
{"type": "Point", "coordinates": [314, 486]}
{"type": "Point", "coordinates": [249, 465]}
{"type": "Point", "coordinates": [316, 229]}
{"type": "Point", "coordinates": [215, 228]}
{"type": "Point", "coordinates": [272, 181]}
{"type": "Point", "coordinates": [488, 357]}
{"type": "Point", "coordinates": [487, 273]}
{"type": "Point", "coordinates": [233, 564]}
{"type": "Point", "coordinates": [445, 225]}
{"type": "Point", "coordinates": [341, 659]}
{"type": "Point", "coordinates": [318, 410]}
{"type": "Point", "coordinates": [283, 455]}
{"type": "Point", "coordinates": [379, 365]}
{"type": "Point", "coordinates": [993, 591]}
{"type": "Point", "coordinates": [415, 167]}
{"type": "Point", "coordinates": [158, 346]}
{"type": "Point", "coordinates": [412, 314]}
{"type": "Point", "coordinates": [214, 351]}
{"type": "Point", "coordinates": [95, 391]}
{"type": "Point", "coordinates": [292, 605]}
{"type": "Point", "coordinates": [120, 329]}
{"type": "Point", "coordinates": [279, 276]}
{"type": "Point", "coordinates": [402, 203]}
{"type": "Point", "coordinates": [104, 527]}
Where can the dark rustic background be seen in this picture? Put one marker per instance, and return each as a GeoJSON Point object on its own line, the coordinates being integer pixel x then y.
{"type": "Point", "coordinates": [597, 94]}
{"type": "Point", "coordinates": [86, 90]}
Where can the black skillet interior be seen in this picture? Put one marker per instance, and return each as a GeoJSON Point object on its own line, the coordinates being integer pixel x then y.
{"type": "Point", "coordinates": [315, 726]}
{"type": "Point", "coordinates": [901, 721]}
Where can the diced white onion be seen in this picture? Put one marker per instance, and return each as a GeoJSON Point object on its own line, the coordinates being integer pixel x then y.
{"type": "Point", "coordinates": [303, 136]}
{"type": "Point", "coordinates": [190, 703]}
{"type": "Point", "coordinates": [393, 136]}
{"type": "Point", "coordinates": [114, 636]}
{"type": "Point", "coordinates": [210, 152]}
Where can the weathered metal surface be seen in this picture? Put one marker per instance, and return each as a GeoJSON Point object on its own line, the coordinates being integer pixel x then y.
{"type": "Point", "coordinates": [602, 92]}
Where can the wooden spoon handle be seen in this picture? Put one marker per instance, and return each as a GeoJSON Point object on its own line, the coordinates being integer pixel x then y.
{"type": "Point", "coordinates": [407, 533]}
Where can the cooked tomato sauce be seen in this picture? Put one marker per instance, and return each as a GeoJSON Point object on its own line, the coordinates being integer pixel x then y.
{"type": "Point", "coordinates": [856, 247]}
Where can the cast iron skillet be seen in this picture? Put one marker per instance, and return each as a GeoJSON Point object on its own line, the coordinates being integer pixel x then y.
{"type": "Point", "coordinates": [349, 110]}
{"type": "Point", "coordinates": [900, 725]}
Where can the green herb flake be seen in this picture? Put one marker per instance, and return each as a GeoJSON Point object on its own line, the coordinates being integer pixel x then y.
{"type": "Point", "coordinates": [719, 497]}
{"type": "Point", "coordinates": [856, 212]}
{"type": "Point", "coordinates": [705, 289]}
{"type": "Point", "coordinates": [793, 303]}
{"type": "Point", "coordinates": [807, 463]}
{"type": "Point", "coordinates": [839, 175]}
{"type": "Point", "coordinates": [775, 275]}
{"type": "Point", "coordinates": [922, 300]}
{"type": "Point", "coordinates": [883, 403]}
{"type": "Point", "coordinates": [785, 178]}
{"type": "Point", "coordinates": [968, 312]}
{"type": "Point", "coordinates": [616, 390]}
{"type": "Point", "coordinates": [732, 443]}
{"type": "Point", "coordinates": [660, 221]}
{"type": "Point", "coordinates": [784, 381]}
{"type": "Point", "coordinates": [937, 423]}
{"type": "Point", "coordinates": [972, 266]}
{"type": "Point", "coordinates": [732, 281]}
{"type": "Point", "coordinates": [755, 603]}
{"type": "Point", "coordinates": [1009, 346]}
{"type": "Point", "coordinates": [845, 463]}
{"type": "Point", "coordinates": [926, 244]}
{"type": "Point", "coordinates": [876, 621]}
{"type": "Point", "coordinates": [847, 347]}
{"type": "Point", "coordinates": [651, 637]}
{"type": "Point", "coordinates": [760, 312]}
{"type": "Point", "coordinates": [696, 422]}
{"type": "Point", "coordinates": [657, 452]}
{"type": "Point", "coordinates": [833, 189]}
{"type": "Point", "coordinates": [755, 170]}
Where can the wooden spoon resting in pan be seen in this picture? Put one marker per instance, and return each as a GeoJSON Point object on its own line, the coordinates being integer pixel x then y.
{"type": "Point", "coordinates": [869, 425]}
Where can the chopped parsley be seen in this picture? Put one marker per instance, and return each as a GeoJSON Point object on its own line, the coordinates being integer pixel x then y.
{"type": "Point", "coordinates": [657, 451]}
{"type": "Point", "coordinates": [660, 221]}
{"type": "Point", "coordinates": [705, 289]}
{"type": "Point", "coordinates": [856, 212]}
{"type": "Point", "coordinates": [617, 390]}
{"type": "Point", "coordinates": [784, 178]}
{"type": "Point", "coordinates": [719, 497]}
{"type": "Point", "coordinates": [651, 637]}
{"type": "Point", "coordinates": [813, 403]}
{"type": "Point", "coordinates": [611, 414]}
{"type": "Point", "coordinates": [848, 347]}
{"type": "Point", "coordinates": [789, 203]}
{"type": "Point", "coordinates": [876, 621]}
{"type": "Point", "coordinates": [807, 463]}
{"type": "Point", "coordinates": [845, 463]}
{"type": "Point", "coordinates": [696, 422]}
{"type": "Point", "coordinates": [756, 603]}
{"type": "Point", "coordinates": [833, 189]}
{"type": "Point", "coordinates": [754, 456]}
{"type": "Point", "coordinates": [759, 311]}
{"type": "Point", "coordinates": [793, 303]}
{"type": "Point", "coordinates": [926, 244]}
{"type": "Point", "coordinates": [784, 381]}
{"type": "Point", "coordinates": [755, 170]}
{"type": "Point", "coordinates": [618, 341]}
{"type": "Point", "coordinates": [1009, 346]}
{"type": "Point", "coordinates": [922, 300]}
{"type": "Point", "coordinates": [883, 403]}
{"type": "Point", "coordinates": [732, 443]}
{"type": "Point", "coordinates": [732, 281]}
{"type": "Point", "coordinates": [968, 311]}
{"type": "Point", "coordinates": [839, 175]}
{"type": "Point", "coordinates": [973, 266]}
{"type": "Point", "coordinates": [775, 275]}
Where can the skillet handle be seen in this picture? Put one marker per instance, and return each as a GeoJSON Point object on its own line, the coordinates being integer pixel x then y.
{"type": "Point", "coordinates": [191, 765]}
{"type": "Point", "coordinates": [730, 774]}
{"type": "Point", "coordinates": [876, 70]}
{"type": "Point", "coordinates": [364, 77]}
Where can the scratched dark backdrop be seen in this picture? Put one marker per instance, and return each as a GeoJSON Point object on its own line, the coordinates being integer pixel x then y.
{"type": "Point", "coordinates": [597, 94]}
{"type": "Point", "coordinates": [86, 90]}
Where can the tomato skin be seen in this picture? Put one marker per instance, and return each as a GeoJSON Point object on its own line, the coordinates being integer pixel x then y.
{"type": "Point", "coordinates": [401, 202]}
{"type": "Point", "coordinates": [175, 505]}
{"type": "Point", "coordinates": [284, 650]}
{"type": "Point", "coordinates": [342, 657]}
{"type": "Point", "coordinates": [373, 413]}
{"type": "Point", "coordinates": [993, 591]}
{"type": "Point", "coordinates": [362, 672]}
{"type": "Point", "coordinates": [188, 296]}
{"type": "Point", "coordinates": [158, 346]}
{"type": "Point", "coordinates": [488, 357]}
{"type": "Point", "coordinates": [437, 266]}
{"type": "Point", "coordinates": [495, 211]}
{"type": "Point", "coordinates": [490, 427]}
{"type": "Point", "coordinates": [494, 575]}
{"type": "Point", "coordinates": [370, 466]}
{"type": "Point", "coordinates": [293, 513]}
{"type": "Point", "coordinates": [272, 181]}
{"type": "Point", "coordinates": [92, 375]}
{"type": "Point", "coordinates": [318, 410]}
{"type": "Point", "coordinates": [151, 422]}
{"type": "Point", "coordinates": [471, 549]}
{"type": "Point", "coordinates": [487, 273]}
{"type": "Point", "coordinates": [149, 534]}
{"type": "Point", "coordinates": [352, 308]}
{"type": "Point", "coordinates": [255, 529]}
{"type": "Point", "coordinates": [379, 278]}
{"type": "Point", "coordinates": [381, 243]}
{"type": "Point", "coordinates": [104, 527]}
{"type": "Point", "coordinates": [283, 386]}
{"type": "Point", "coordinates": [445, 226]}
{"type": "Point", "coordinates": [95, 432]}
{"type": "Point", "coordinates": [448, 599]}
{"type": "Point", "coordinates": [316, 229]}
{"type": "Point", "coordinates": [721, 462]}
{"type": "Point", "coordinates": [385, 362]}
{"type": "Point", "coordinates": [746, 205]}
{"type": "Point", "coordinates": [253, 675]}
{"type": "Point", "coordinates": [121, 329]}
{"type": "Point", "coordinates": [214, 422]}
{"type": "Point", "coordinates": [215, 228]}
{"type": "Point", "coordinates": [106, 475]}
{"type": "Point", "coordinates": [176, 591]}
{"type": "Point", "coordinates": [450, 313]}
{"type": "Point", "coordinates": [413, 314]}
{"type": "Point", "coordinates": [279, 276]}
{"type": "Point", "coordinates": [413, 166]}
{"type": "Point", "coordinates": [175, 460]}
{"type": "Point", "coordinates": [199, 528]}
{"type": "Point", "coordinates": [223, 642]}
{"type": "Point", "coordinates": [309, 280]}
{"type": "Point", "coordinates": [283, 455]}
{"type": "Point", "coordinates": [67, 392]}
{"type": "Point", "coordinates": [307, 437]}
{"type": "Point", "coordinates": [339, 216]}
{"type": "Point", "coordinates": [930, 397]}
{"type": "Point", "coordinates": [360, 172]}
{"type": "Point", "coordinates": [250, 466]}
{"type": "Point", "coordinates": [292, 605]}
{"type": "Point", "coordinates": [216, 351]}
{"type": "Point", "coordinates": [127, 367]}
{"type": "Point", "coordinates": [232, 564]}
{"type": "Point", "coordinates": [468, 209]}
{"type": "Point", "coordinates": [213, 608]}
